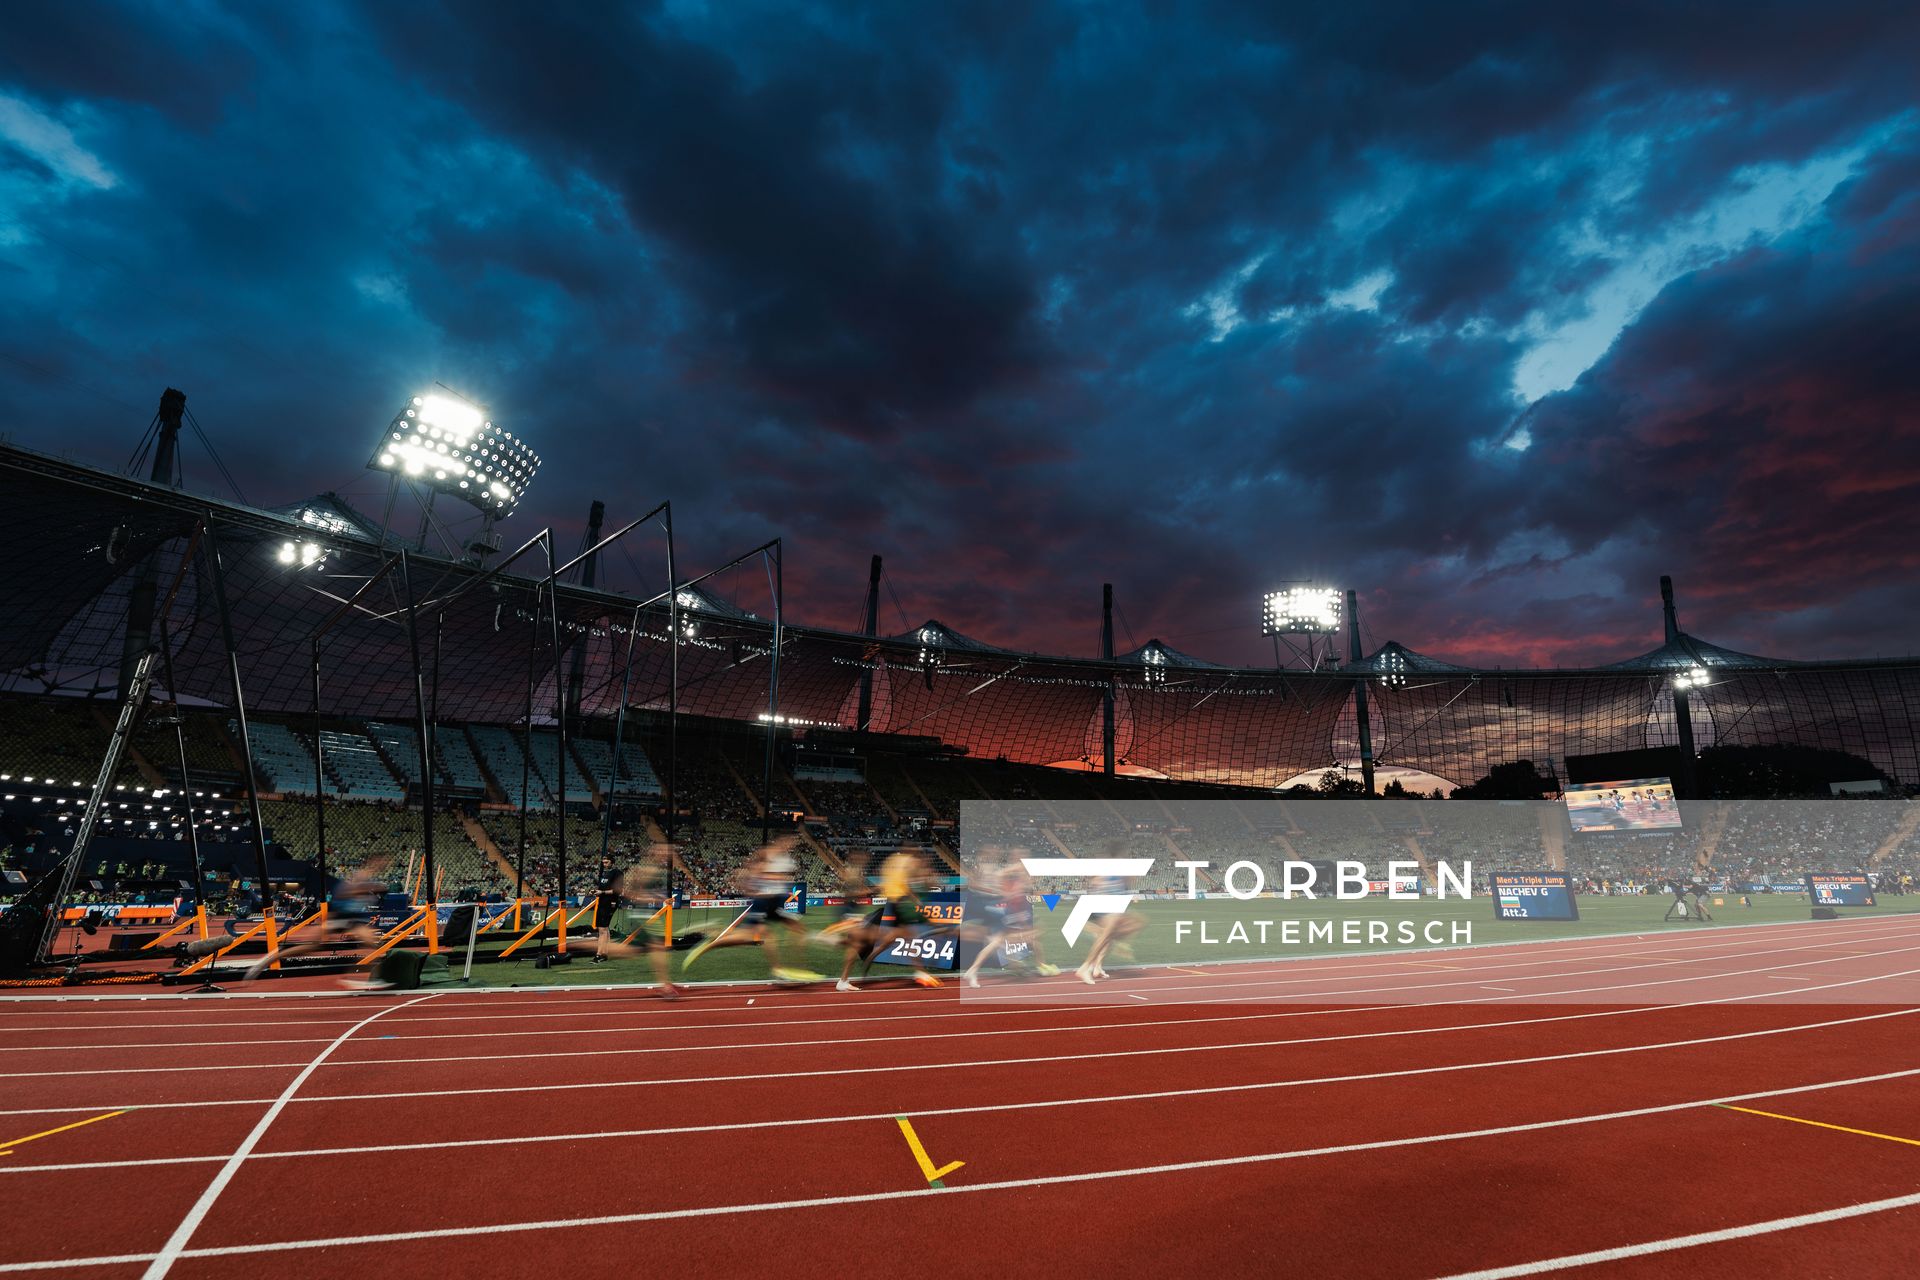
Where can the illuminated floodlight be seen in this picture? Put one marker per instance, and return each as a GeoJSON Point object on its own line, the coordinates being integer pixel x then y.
{"type": "Point", "coordinates": [450, 445]}
{"type": "Point", "coordinates": [301, 554]}
{"type": "Point", "coordinates": [929, 638]}
{"type": "Point", "coordinates": [326, 521]}
{"type": "Point", "coordinates": [689, 604]}
{"type": "Point", "coordinates": [1155, 660]}
{"type": "Point", "coordinates": [1300, 610]}
{"type": "Point", "coordinates": [1395, 676]}
{"type": "Point", "coordinates": [1692, 678]}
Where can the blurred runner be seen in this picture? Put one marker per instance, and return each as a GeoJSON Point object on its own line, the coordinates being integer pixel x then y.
{"type": "Point", "coordinates": [351, 908]}
{"type": "Point", "coordinates": [1110, 929]}
{"type": "Point", "coordinates": [642, 887]}
{"type": "Point", "coordinates": [897, 919]}
{"type": "Point", "coordinates": [1010, 925]}
{"type": "Point", "coordinates": [765, 881]}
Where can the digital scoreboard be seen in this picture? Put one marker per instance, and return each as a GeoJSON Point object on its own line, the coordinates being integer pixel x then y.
{"type": "Point", "coordinates": [935, 944]}
{"type": "Point", "coordinates": [1839, 890]}
{"type": "Point", "coordinates": [1543, 895]}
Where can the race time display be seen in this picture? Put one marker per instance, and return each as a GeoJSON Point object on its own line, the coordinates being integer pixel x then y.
{"type": "Point", "coordinates": [935, 944]}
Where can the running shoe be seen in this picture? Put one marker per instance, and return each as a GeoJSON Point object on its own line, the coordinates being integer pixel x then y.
{"type": "Point", "coordinates": [971, 979]}
{"type": "Point", "coordinates": [798, 975]}
{"type": "Point", "coordinates": [1084, 974]}
{"type": "Point", "coordinates": [926, 980]}
{"type": "Point", "coordinates": [1047, 970]}
{"type": "Point", "coordinates": [696, 952]}
{"type": "Point", "coordinates": [668, 991]}
{"type": "Point", "coordinates": [844, 985]}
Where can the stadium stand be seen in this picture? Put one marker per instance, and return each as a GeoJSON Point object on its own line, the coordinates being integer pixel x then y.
{"type": "Point", "coordinates": [280, 754]}
{"type": "Point", "coordinates": [499, 750]}
{"type": "Point", "coordinates": [356, 767]}
{"type": "Point", "coordinates": [555, 772]}
{"type": "Point", "coordinates": [637, 776]}
{"type": "Point", "coordinates": [454, 755]}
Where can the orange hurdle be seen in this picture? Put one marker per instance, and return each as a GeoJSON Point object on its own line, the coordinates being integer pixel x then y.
{"type": "Point", "coordinates": [319, 916]}
{"type": "Point", "coordinates": [424, 919]}
{"type": "Point", "coordinates": [528, 936]}
{"type": "Point", "coordinates": [563, 919]}
{"type": "Point", "coordinates": [197, 921]}
{"type": "Point", "coordinates": [501, 916]}
{"type": "Point", "coordinates": [266, 926]}
{"type": "Point", "coordinates": [666, 910]}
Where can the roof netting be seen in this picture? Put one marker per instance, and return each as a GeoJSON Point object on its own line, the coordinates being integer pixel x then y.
{"type": "Point", "coordinates": [81, 541]}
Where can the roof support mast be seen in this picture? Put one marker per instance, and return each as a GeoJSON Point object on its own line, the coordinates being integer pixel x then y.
{"type": "Point", "coordinates": [1683, 786]}
{"type": "Point", "coordinates": [870, 628]}
{"type": "Point", "coordinates": [1360, 719]}
{"type": "Point", "coordinates": [1106, 700]}
{"type": "Point", "coordinates": [577, 674]}
{"type": "Point", "coordinates": [139, 636]}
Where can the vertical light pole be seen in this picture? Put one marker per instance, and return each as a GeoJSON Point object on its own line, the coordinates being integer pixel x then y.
{"type": "Point", "coordinates": [1360, 720]}
{"type": "Point", "coordinates": [1106, 698]}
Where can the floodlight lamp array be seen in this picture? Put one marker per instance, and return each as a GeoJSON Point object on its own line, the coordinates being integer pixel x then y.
{"type": "Point", "coordinates": [688, 605]}
{"type": "Point", "coordinates": [442, 441]}
{"type": "Point", "coordinates": [1155, 661]}
{"type": "Point", "coordinates": [326, 521]}
{"type": "Point", "coordinates": [929, 638]}
{"type": "Point", "coordinates": [1300, 611]}
{"type": "Point", "coordinates": [301, 554]}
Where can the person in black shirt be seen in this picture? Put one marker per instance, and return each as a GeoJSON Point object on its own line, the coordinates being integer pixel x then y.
{"type": "Point", "coordinates": [643, 886]}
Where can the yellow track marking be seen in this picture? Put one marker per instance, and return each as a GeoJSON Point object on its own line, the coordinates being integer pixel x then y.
{"type": "Point", "coordinates": [6, 1148]}
{"type": "Point", "coordinates": [920, 1153]}
{"type": "Point", "coordinates": [1821, 1124]}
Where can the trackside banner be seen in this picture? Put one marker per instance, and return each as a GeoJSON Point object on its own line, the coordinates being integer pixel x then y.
{"type": "Point", "coordinates": [1214, 898]}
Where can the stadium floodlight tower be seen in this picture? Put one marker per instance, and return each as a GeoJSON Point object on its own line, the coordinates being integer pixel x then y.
{"type": "Point", "coordinates": [1301, 615]}
{"type": "Point", "coordinates": [442, 443]}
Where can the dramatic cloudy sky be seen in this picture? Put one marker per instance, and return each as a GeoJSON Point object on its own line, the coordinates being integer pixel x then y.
{"type": "Point", "coordinates": [1493, 312]}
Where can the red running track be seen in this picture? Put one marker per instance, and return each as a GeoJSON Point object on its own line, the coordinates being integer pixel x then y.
{"type": "Point", "coordinates": [1588, 1106]}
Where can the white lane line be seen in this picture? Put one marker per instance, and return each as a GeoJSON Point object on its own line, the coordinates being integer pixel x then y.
{"type": "Point", "coordinates": [1621, 1252]}
{"type": "Point", "coordinates": [163, 1261]}
{"type": "Point", "coordinates": [976, 1188]}
{"type": "Point", "coordinates": [1016, 1031]}
{"type": "Point", "coordinates": [1044, 1104]}
{"type": "Point", "coordinates": [944, 1010]}
{"type": "Point", "coordinates": [949, 1066]}
{"type": "Point", "coordinates": [396, 1095]}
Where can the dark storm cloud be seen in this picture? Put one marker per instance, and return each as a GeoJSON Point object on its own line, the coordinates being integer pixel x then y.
{"type": "Point", "coordinates": [1778, 459]}
{"type": "Point", "coordinates": [1029, 296]}
{"type": "Point", "coordinates": [804, 205]}
{"type": "Point", "coordinates": [140, 54]}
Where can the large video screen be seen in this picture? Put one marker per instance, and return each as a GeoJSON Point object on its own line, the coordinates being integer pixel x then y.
{"type": "Point", "coordinates": [1637, 804]}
